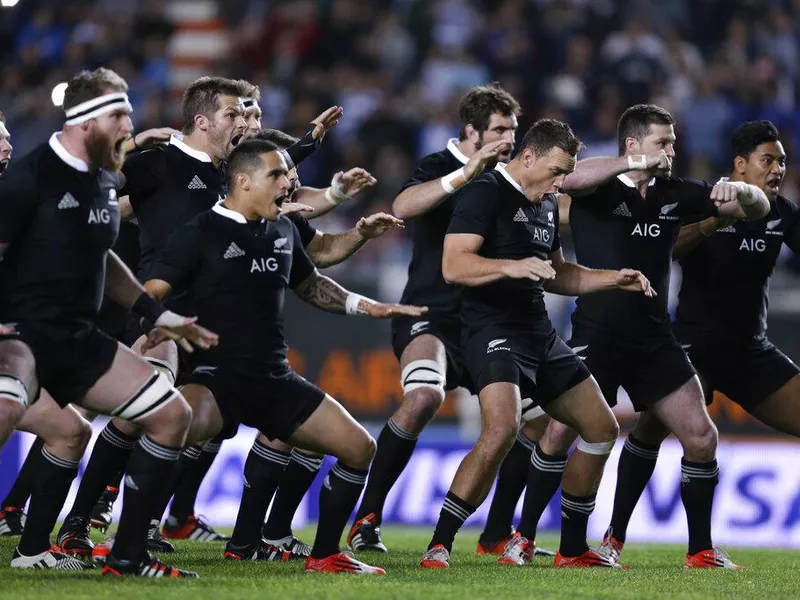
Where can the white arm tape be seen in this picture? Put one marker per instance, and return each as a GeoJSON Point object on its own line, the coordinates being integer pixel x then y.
{"type": "Point", "coordinates": [746, 197]}
{"type": "Point", "coordinates": [529, 412]}
{"type": "Point", "coordinates": [14, 389]}
{"type": "Point", "coordinates": [447, 180]}
{"type": "Point", "coordinates": [596, 448]}
{"type": "Point", "coordinates": [423, 373]}
{"type": "Point", "coordinates": [170, 319]}
{"type": "Point", "coordinates": [334, 194]}
{"type": "Point", "coordinates": [351, 304]}
{"type": "Point", "coordinates": [637, 162]}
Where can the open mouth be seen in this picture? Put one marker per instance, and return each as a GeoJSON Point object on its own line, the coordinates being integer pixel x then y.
{"type": "Point", "coordinates": [279, 202]}
{"type": "Point", "coordinates": [118, 146]}
{"type": "Point", "coordinates": [236, 139]}
{"type": "Point", "coordinates": [3, 166]}
{"type": "Point", "coordinates": [774, 184]}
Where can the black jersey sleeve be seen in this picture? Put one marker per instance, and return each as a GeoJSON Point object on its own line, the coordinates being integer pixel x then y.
{"type": "Point", "coordinates": [302, 265]}
{"type": "Point", "coordinates": [556, 230]}
{"type": "Point", "coordinates": [695, 200]}
{"type": "Point", "coordinates": [302, 149]}
{"type": "Point", "coordinates": [431, 167]}
{"type": "Point", "coordinates": [143, 172]}
{"type": "Point", "coordinates": [181, 258]}
{"type": "Point", "coordinates": [18, 201]}
{"type": "Point", "coordinates": [307, 230]}
{"type": "Point", "coordinates": [791, 236]}
{"type": "Point", "coordinates": [476, 208]}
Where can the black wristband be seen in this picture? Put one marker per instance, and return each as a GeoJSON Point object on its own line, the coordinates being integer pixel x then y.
{"type": "Point", "coordinates": [304, 148]}
{"type": "Point", "coordinates": [147, 308]}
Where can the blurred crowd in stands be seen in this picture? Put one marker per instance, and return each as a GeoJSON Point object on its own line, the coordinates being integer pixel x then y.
{"type": "Point", "coordinates": [399, 67]}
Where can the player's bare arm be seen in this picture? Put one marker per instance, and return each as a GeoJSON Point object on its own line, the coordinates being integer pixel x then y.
{"type": "Point", "coordinates": [145, 139]}
{"type": "Point", "coordinates": [740, 200]}
{"type": "Point", "coordinates": [325, 294]}
{"type": "Point", "coordinates": [421, 198]}
{"type": "Point", "coordinates": [592, 172]}
{"type": "Point", "coordinates": [328, 249]}
{"type": "Point", "coordinates": [344, 186]}
{"type": "Point", "coordinates": [690, 236]}
{"type": "Point", "coordinates": [575, 280]}
{"type": "Point", "coordinates": [462, 265]}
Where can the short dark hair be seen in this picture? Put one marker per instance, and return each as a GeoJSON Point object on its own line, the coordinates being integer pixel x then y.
{"type": "Point", "coordinates": [751, 134]}
{"type": "Point", "coordinates": [86, 85]}
{"type": "Point", "coordinates": [481, 103]}
{"type": "Point", "coordinates": [202, 97]}
{"type": "Point", "coordinates": [635, 122]}
{"type": "Point", "coordinates": [281, 139]}
{"type": "Point", "coordinates": [247, 158]}
{"type": "Point", "coordinates": [546, 134]}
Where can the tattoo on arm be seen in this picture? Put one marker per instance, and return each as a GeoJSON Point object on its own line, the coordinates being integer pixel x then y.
{"type": "Point", "coordinates": [323, 293]}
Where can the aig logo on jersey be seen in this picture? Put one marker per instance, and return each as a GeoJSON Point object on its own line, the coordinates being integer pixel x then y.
{"type": "Point", "coordinates": [99, 215]}
{"type": "Point", "coordinates": [650, 230]}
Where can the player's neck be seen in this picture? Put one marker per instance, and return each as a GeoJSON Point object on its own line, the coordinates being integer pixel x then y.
{"type": "Point", "coordinates": [240, 206]}
{"type": "Point", "coordinates": [641, 180]}
{"type": "Point", "coordinates": [197, 141]}
{"type": "Point", "coordinates": [467, 148]}
{"type": "Point", "coordinates": [75, 146]}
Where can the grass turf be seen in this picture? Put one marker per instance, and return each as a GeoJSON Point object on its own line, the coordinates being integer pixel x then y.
{"type": "Point", "coordinates": [656, 573]}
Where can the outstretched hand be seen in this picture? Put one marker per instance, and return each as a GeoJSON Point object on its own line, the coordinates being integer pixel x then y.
{"type": "Point", "coordinates": [327, 120]}
{"type": "Point", "coordinates": [379, 310]}
{"type": "Point", "coordinates": [631, 280]}
{"type": "Point", "coordinates": [376, 225]}
{"type": "Point", "coordinates": [184, 330]}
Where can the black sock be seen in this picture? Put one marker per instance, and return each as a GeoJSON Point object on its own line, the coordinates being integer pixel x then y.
{"type": "Point", "coordinates": [337, 499]}
{"type": "Point", "coordinates": [698, 481]}
{"type": "Point", "coordinates": [575, 512]}
{"type": "Point", "coordinates": [510, 483]}
{"type": "Point", "coordinates": [192, 476]}
{"type": "Point", "coordinates": [395, 448]}
{"type": "Point", "coordinates": [262, 473]}
{"type": "Point", "coordinates": [636, 465]}
{"type": "Point", "coordinates": [150, 465]}
{"type": "Point", "coordinates": [186, 462]}
{"type": "Point", "coordinates": [544, 477]}
{"type": "Point", "coordinates": [23, 485]}
{"type": "Point", "coordinates": [53, 477]}
{"type": "Point", "coordinates": [452, 516]}
{"type": "Point", "coordinates": [294, 484]}
{"type": "Point", "coordinates": [110, 454]}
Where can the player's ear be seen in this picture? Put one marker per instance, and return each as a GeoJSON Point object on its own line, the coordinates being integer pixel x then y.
{"type": "Point", "coordinates": [740, 164]}
{"type": "Point", "coordinates": [243, 181]}
{"type": "Point", "coordinates": [472, 133]}
{"type": "Point", "coordinates": [632, 145]}
{"type": "Point", "coordinates": [528, 158]}
{"type": "Point", "coordinates": [201, 122]}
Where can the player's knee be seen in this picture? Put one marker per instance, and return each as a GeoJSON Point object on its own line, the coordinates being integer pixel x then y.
{"type": "Point", "coordinates": [76, 433]}
{"type": "Point", "coordinates": [500, 436]}
{"type": "Point", "coordinates": [423, 403]}
{"type": "Point", "coordinates": [360, 452]}
{"type": "Point", "coordinates": [557, 438]}
{"type": "Point", "coordinates": [702, 445]}
{"type": "Point", "coordinates": [11, 411]}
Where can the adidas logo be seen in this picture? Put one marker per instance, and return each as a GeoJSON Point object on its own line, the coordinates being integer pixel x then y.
{"type": "Point", "coordinates": [233, 251]}
{"type": "Point", "coordinates": [68, 201]}
{"type": "Point", "coordinates": [131, 483]}
{"type": "Point", "coordinates": [520, 217]}
{"type": "Point", "coordinates": [622, 211]}
{"type": "Point", "coordinates": [197, 184]}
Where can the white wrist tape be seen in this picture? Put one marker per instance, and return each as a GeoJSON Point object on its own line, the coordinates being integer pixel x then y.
{"type": "Point", "coordinates": [351, 304]}
{"type": "Point", "coordinates": [447, 180]}
{"type": "Point", "coordinates": [596, 448]}
{"type": "Point", "coordinates": [333, 200]}
{"type": "Point", "coordinates": [637, 162]}
{"type": "Point", "coordinates": [170, 319]}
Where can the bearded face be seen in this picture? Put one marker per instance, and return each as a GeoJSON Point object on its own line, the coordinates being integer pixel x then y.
{"type": "Point", "coordinates": [105, 149]}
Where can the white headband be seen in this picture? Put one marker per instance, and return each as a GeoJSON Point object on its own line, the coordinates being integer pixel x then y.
{"type": "Point", "coordinates": [3, 129]}
{"type": "Point", "coordinates": [96, 107]}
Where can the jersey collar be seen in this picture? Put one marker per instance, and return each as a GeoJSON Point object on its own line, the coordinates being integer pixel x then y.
{"type": "Point", "coordinates": [62, 153]}
{"type": "Point", "coordinates": [629, 182]}
{"type": "Point", "coordinates": [502, 170]}
{"type": "Point", "coordinates": [452, 147]}
{"type": "Point", "coordinates": [220, 209]}
{"type": "Point", "coordinates": [177, 141]}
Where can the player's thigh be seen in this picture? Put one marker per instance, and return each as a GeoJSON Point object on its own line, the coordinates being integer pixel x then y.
{"type": "Point", "coordinates": [132, 390]}
{"type": "Point", "coordinates": [684, 413]}
{"type": "Point", "coordinates": [781, 409]}
{"type": "Point", "coordinates": [423, 370]}
{"type": "Point", "coordinates": [17, 361]}
{"type": "Point", "coordinates": [54, 424]}
{"type": "Point", "coordinates": [207, 420]}
{"type": "Point", "coordinates": [501, 407]}
{"type": "Point", "coordinates": [330, 429]}
{"type": "Point", "coordinates": [650, 429]}
{"type": "Point", "coordinates": [584, 409]}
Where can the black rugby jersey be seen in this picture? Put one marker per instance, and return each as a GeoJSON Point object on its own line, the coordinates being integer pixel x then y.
{"type": "Point", "coordinates": [113, 317]}
{"type": "Point", "coordinates": [725, 287]}
{"type": "Point", "coordinates": [235, 274]}
{"type": "Point", "coordinates": [426, 286]}
{"type": "Point", "coordinates": [615, 228]}
{"type": "Point", "coordinates": [494, 207]}
{"type": "Point", "coordinates": [168, 185]}
{"type": "Point", "coordinates": [60, 219]}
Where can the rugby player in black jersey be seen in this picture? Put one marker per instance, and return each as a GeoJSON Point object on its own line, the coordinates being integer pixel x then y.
{"type": "Point", "coordinates": [59, 218]}
{"type": "Point", "coordinates": [503, 246]}
{"type": "Point", "coordinates": [244, 254]}
{"type": "Point", "coordinates": [429, 348]}
{"type": "Point", "coordinates": [634, 218]}
{"type": "Point", "coordinates": [722, 315]}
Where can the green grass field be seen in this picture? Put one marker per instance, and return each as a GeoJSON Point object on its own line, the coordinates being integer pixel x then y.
{"type": "Point", "coordinates": [655, 572]}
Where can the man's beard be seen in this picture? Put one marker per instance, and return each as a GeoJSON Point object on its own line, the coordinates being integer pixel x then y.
{"type": "Point", "coordinates": [101, 150]}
